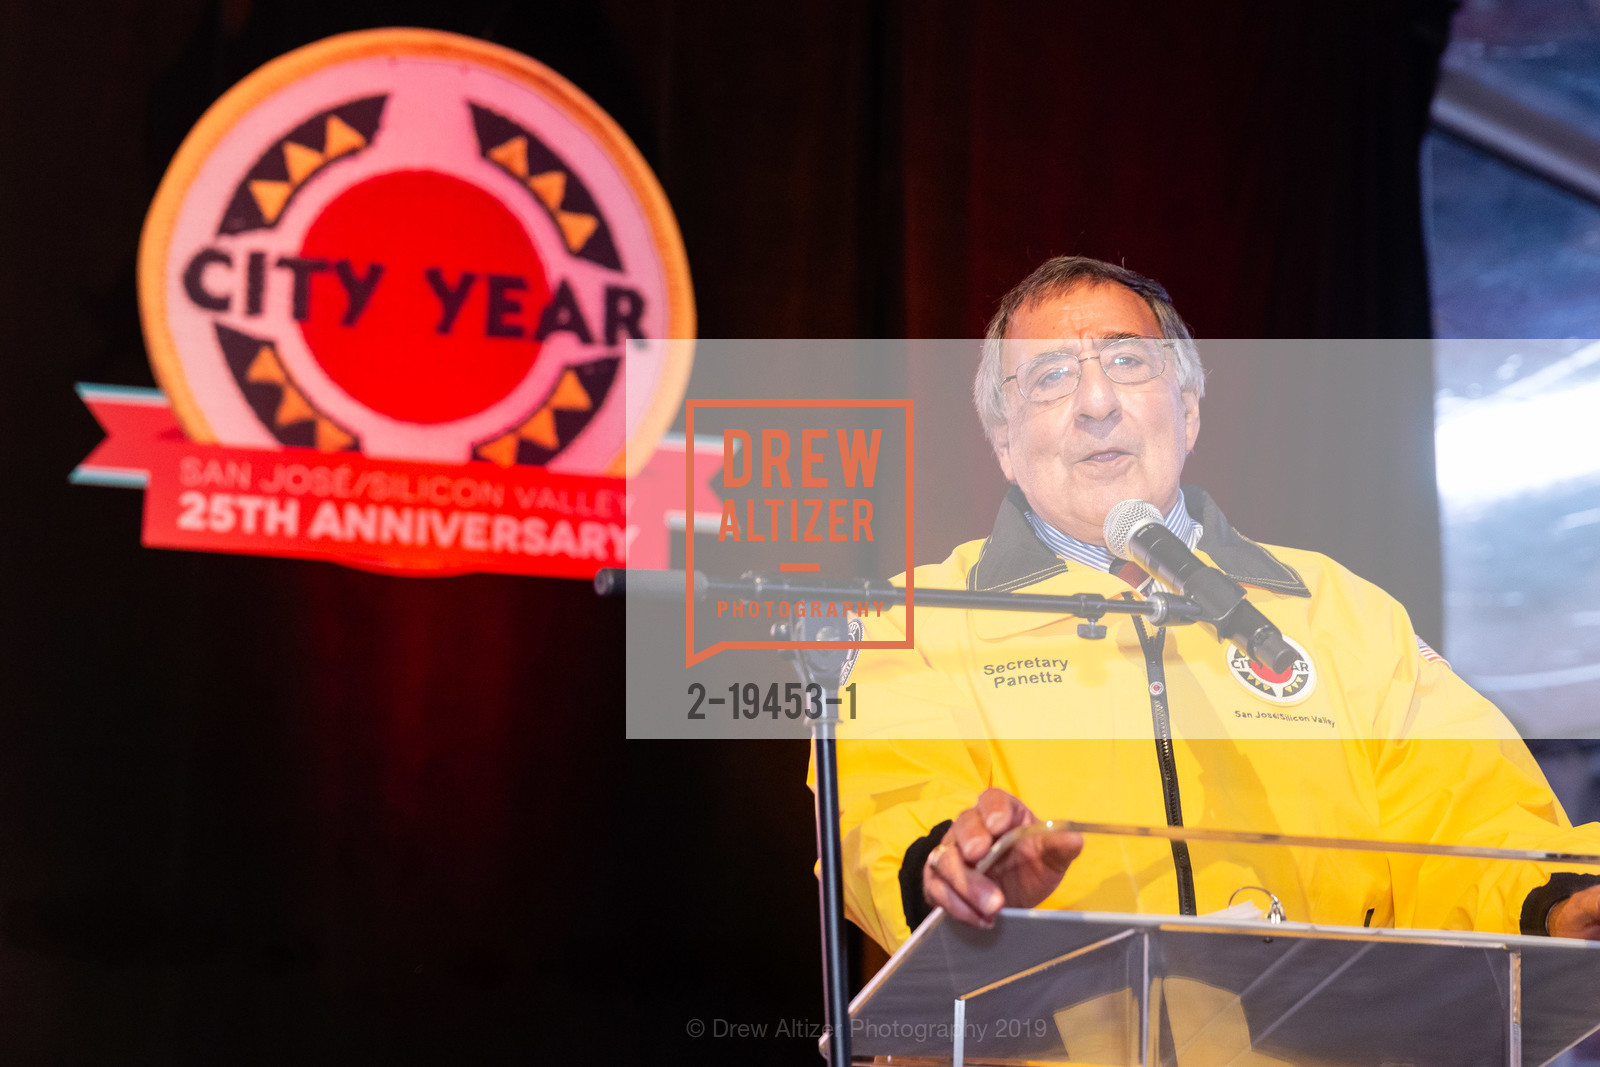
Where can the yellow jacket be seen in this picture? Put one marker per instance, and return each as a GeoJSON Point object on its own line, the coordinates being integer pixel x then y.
{"type": "Point", "coordinates": [1371, 740]}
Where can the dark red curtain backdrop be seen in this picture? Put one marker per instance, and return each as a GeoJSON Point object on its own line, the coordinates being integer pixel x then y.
{"type": "Point", "coordinates": [260, 810]}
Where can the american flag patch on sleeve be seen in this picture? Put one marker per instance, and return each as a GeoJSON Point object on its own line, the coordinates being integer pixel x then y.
{"type": "Point", "coordinates": [1429, 654]}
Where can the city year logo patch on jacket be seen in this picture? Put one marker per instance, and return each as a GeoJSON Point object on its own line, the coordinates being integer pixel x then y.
{"type": "Point", "coordinates": [1280, 687]}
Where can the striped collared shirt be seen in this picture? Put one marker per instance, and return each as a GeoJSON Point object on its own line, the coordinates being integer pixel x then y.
{"type": "Point", "coordinates": [1067, 547]}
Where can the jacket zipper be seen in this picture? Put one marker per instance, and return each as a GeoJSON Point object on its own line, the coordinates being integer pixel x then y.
{"type": "Point", "coordinates": [1161, 720]}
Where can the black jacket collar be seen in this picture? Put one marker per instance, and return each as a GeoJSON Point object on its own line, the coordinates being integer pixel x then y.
{"type": "Point", "coordinates": [1013, 557]}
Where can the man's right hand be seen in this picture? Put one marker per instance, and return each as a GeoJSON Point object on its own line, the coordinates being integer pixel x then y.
{"type": "Point", "coordinates": [1022, 878]}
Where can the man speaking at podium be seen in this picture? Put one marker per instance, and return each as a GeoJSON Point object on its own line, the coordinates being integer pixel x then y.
{"type": "Point", "coordinates": [1089, 388]}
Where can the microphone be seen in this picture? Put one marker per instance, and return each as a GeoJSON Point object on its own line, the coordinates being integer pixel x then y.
{"type": "Point", "coordinates": [1133, 530]}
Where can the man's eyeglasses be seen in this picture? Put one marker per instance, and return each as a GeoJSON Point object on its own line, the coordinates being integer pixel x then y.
{"type": "Point", "coordinates": [1126, 361]}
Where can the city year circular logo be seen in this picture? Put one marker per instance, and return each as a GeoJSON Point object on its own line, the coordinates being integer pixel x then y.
{"type": "Point", "coordinates": [1279, 687]}
{"type": "Point", "coordinates": [417, 246]}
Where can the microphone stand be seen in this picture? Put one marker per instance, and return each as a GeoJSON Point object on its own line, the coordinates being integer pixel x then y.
{"type": "Point", "coordinates": [821, 666]}
{"type": "Point", "coordinates": [1162, 609]}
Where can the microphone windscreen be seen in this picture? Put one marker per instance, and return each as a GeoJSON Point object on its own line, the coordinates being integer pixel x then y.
{"type": "Point", "coordinates": [1123, 520]}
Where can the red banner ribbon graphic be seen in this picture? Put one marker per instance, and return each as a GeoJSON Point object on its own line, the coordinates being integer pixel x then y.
{"type": "Point", "coordinates": [387, 515]}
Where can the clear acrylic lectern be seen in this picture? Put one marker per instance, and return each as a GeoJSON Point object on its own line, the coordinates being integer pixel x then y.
{"type": "Point", "coordinates": [1063, 987]}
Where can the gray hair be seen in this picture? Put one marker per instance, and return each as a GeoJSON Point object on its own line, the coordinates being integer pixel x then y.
{"type": "Point", "coordinates": [1052, 278]}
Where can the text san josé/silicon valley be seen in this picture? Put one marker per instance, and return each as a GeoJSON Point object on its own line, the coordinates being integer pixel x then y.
{"type": "Point", "coordinates": [352, 504]}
